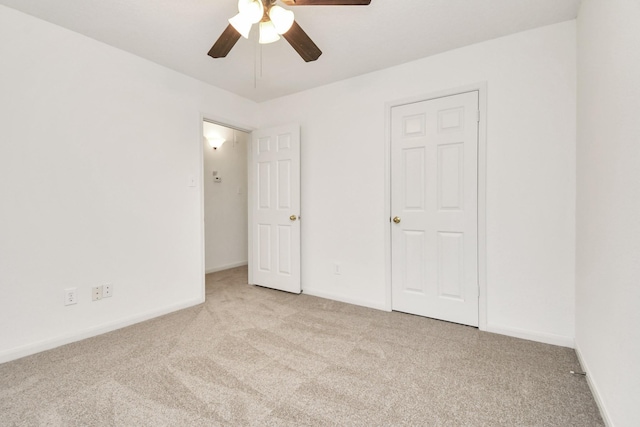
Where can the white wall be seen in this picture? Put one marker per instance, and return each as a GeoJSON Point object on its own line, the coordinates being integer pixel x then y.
{"type": "Point", "coordinates": [96, 147]}
{"type": "Point", "coordinates": [608, 205]}
{"type": "Point", "coordinates": [225, 202]}
{"type": "Point", "coordinates": [530, 179]}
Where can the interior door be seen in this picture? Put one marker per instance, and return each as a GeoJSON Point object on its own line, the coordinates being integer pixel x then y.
{"type": "Point", "coordinates": [275, 208]}
{"type": "Point", "coordinates": [434, 207]}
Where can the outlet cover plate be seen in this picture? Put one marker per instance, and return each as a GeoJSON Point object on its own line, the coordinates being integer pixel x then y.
{"type": "Point", "coordinates": [96, 293]}
{"type": "Point", "coordinates": [70, 296]}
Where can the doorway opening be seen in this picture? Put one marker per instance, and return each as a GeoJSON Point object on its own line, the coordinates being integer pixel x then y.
{"type": "Point", "coordinates": [225, 196]}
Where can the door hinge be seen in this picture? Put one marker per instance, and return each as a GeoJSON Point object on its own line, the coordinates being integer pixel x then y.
{"type": "Point", "coordinates": [478, 116]}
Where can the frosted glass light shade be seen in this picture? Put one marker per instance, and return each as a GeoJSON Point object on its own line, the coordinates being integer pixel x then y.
{"type": "Point", "coordinates": [215, 142]}
{"type": "Point", "coordinates": [241, 24]}
{"type": "Point", "coordinates": [282, 18]}
{"type": "Point", "coordinates": [253, 10]}
{"type": "Point", "coordinates": [268, 33]}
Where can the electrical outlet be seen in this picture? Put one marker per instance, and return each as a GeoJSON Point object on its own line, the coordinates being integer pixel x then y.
{"type": "Point", "coordinates": [96, 293]}
{"type": "Point", "coordinates": [107, 290]}
{"type": "Point", "coordinates": [70, 296]}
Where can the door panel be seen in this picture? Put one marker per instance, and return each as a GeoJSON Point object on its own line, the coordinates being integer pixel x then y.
{"type": "Point", "coordinates": [275, 164]}
{"type": "Point", "coordinates": [414, 254]}
{"type": "Point", "coordinates": [434, 187]}
{"type": "Point", "coordinates": [451, 265]}
{"type": "Point", "coordinates": [414, 179]}
{"type": "Point", "coordinates": [451, 177]}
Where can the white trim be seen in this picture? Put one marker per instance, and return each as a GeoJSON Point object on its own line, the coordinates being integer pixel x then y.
{"type": "Point", "coordinates": [345, 299]}
{"type": "Point", "coordinates": [226, 123]}
{"type": "Point", "coordinates": [560, 340]}
{"type": "Point", "coordinates": [201, 148]}
{"type": "Point", "coordinates": [594, 389]}
{"type": "Point", "coordinates": [50, 343]}
{"type": "Point", "coordinates": [481, 88]}
{"type": "Point", "coordinates": [226, 267]}
{"type": "Point", "coordinates": [482, 207]}
{"type": "Point", "coordinates": [250, 191]}
{"type": "Point", "coordinates": [387, 205]}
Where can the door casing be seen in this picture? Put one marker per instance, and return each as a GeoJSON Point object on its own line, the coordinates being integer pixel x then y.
{"type": "Point", "coordinates": [481, 87]}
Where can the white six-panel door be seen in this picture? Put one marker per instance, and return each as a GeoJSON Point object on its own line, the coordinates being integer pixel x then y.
{"type": "Point", "coordinates": [434, 192]}
{"type": "Point", "coordinates": [275, 208]}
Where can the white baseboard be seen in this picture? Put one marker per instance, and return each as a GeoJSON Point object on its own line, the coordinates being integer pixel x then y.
{"type": "Point", "coordinates": [594, 389]}
{"type": "Point", "coordinates": [225, 267]}
{"type": "Point", "coordinates": [50, 343]}
{"type": "Point", "coordinates": [542, 337]}
{"type": "Point", "coordinates": [343, 298]}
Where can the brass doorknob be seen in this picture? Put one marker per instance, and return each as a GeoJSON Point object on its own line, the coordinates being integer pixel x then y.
{"type": "Point", "coordinates": [293, 217]}
{"type": "Point", "coordinates": [397, 220]}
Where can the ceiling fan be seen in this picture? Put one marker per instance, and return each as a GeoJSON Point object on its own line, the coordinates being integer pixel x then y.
{"type": "Point", "coordinates": [275, 21]}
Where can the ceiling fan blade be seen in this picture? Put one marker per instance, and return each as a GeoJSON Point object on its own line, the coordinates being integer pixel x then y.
{"type": "Point", "coordinates": [225, 42]}
{"type": "Point", "coordinates": [327, 2]}
{"type": "Point", "coordinates": [302, 43]}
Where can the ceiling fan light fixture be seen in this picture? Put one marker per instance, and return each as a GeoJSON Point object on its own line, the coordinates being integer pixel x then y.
{"type": "Point", "coordinates": [268, 33]}
{"type": "Point", "coordinates": [241, 24]}
{"type": "Point", "coordinates": [282, 18]}
{"type": "Point", "coordinates": [253, 10]}
{"type": "Point", "coordinates": [274, 21]}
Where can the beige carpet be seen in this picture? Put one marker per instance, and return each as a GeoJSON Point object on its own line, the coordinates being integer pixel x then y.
{"type": "Point", "coordinates": [256, 357]}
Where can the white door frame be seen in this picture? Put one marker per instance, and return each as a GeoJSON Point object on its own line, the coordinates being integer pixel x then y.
{"type": "Point", "coordinates": [481, 87]}
{"type": "Point", "coordinates": [211, 118]}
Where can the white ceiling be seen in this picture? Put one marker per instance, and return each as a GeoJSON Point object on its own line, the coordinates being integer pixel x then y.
{"type": "Point", "coordinates": [354, 39]}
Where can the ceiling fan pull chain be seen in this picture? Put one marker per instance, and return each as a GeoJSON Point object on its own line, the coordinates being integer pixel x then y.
{"type": "Point", "coordinates": [260, 74]}
{"type": "Point", "coordinates": [255, 65]}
